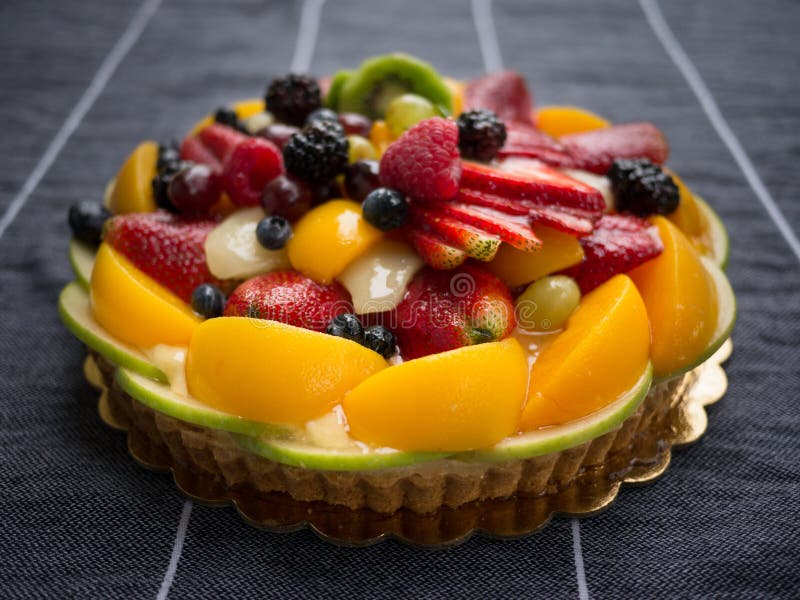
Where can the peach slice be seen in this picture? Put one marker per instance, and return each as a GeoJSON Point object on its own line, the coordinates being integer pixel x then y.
{"type": "Point", "coordinates": [681, 300]}
{"type": "Point", "coordinates": [133, 188]}
{"type": "Point", "coordinates": [457, 400]}
{"type": "Point", "coordinates": [563, 120]}
{"type": "Point", "coordinates": [135, 308]}
{"type": "Point", "coordinates": [330, 237]}
{"type": "Point", "coordinates": [271, 372]}
{"type": "Point", "coordinates": [601, 354]}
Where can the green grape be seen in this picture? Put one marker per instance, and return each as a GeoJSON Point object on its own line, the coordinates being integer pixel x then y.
{"type": "Point", "coordinates": [408, 110]}
{"type": "Point", "coordinates": [547, 303]}
{"type": "Point", "coordinates": [360, 148]}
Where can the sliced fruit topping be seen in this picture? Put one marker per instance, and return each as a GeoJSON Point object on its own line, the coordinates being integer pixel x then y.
{"type": "Point", "coordinates": [681, 301]}
{"type": "Point", "coordinates": [596, 150]}
{"type": "Point", "coordinates": [377, 279]}
{"type": "Point", "coordinates": [220, 140]}
{"type": "Point", "coordinates": [546, 304]}
{"type": "Point", "coordinates": [504, 93]}
{"type": "Point", "coordinates": [443, 310]}
{"type": "Point", "coordinates": [86, 220]}
{"type": "Point", "coordinates": [261, 371]}
{"type": "Point", "coordinates": [81, 259]}
{"type": "Point", "coordinates": [642, 188]}
{"type": "Point", "coordinates": [601, 354]}
{"type": "Point", "coordinates": [289, 297]}
{"type": "Point", "coordinates": [193, 149]}
{"type": "Point", "coordinates": [379, 80]}
{"type": "Point", "coordinates": [329, 238]}
{"type": "Point", "coordinates": [480, 134]}
{"type": "Point", "coordinates": [292, 98]}
{"type": "Point", "coordinates": [232, 249]}
{"type": "Point", "coordinates": [459, 400]}
{"type": "Point", "coordinates": [565, 120]}
{"type": "Point", "coordinates": [424, 162]}
{"type": "Point", "coordinates": [135, 308]}
{"type": "Point", "coordinates": [317, 153]}
{"type": "Point", "coordinates": [474, 241]}
{"type": "Point", "coordinates": [618, 244]}
{"type": "Point", "coordinates": [335, 88]}
{"type": "Point", "coordinates": [524, 140]}
{"type": "Point", "coordinates": [132, 191]}
{"type": "Point", "coordinates": [510, 229]}
{"type": "Point", "coordinates": [169, 248]}
{"type": "Point", "coordinates": [558, 252]}
{"type": "Point", "coordinates": [435, 252]}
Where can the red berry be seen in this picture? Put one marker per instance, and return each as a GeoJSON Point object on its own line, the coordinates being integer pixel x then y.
{"type": "Point", "coordinates": [220, 140]}
{"type": "Point", "coordinates": [193, 149]}
{"type": "Point", "coordinates": [503, 93]}
{"type": "Point", "coordinates": [288, 197]}
{"type": "Point", "coordinates": [194, 190]}
{"type": "Point", "coordinates": [355, 124]}
{"type": "Point", "coordinates": [596, 150]}
{"type": "Point", "coordinates": [278, 134]}
{"type": "Point", "coordinates": [424, 162]}
{"type": "Point", "coordinates": [249, 168]}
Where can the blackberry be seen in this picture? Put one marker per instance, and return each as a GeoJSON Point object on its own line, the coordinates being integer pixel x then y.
{"type": "Point", "coordinates": [480, 134]}
{"type": "Point", "coordinates": [317, 153]}
{"type": "Point", "coordinates": [292, 98]}
{"type": "Point", "coordinates": [642, 188]}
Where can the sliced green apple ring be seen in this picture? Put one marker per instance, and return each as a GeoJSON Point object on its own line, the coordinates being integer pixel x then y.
{"type": "Point", "coordinates": [76, 313]}
{"type": "Point", "coordinates": [81, 259]}
{"type": "Point", "coordinates": [717, 234]}
{"type": "Point", "coordinates": [726, 318]}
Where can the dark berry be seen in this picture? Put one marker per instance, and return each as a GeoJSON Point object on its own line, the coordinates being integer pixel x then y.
{"type": "Point", "coordinates": [278, 133]}
{"type": "Point", "coordinates": [194, 189]}
{"type": "Point", "coordinates": [208, 300]}
{"type": "Point", "coordinates": [322, 114]}
{"type": "Point", "coordinates": [273, 232]}
{"type": "Point", "coordinates": [381, 340]}
{"type": "Point", "coordinates": [385, 208]}
{"type": "Point", "coordinates": [360, 178]}
{"type": "Point", "coordinates": [346, 326]}
{"type": "Point", "coordinates": [292, 98]}
{"type": "Point", "coordinates": [355, 124]}
{"type": "Point", "coordinates": [642, 188]}
{"type": "Point", "coordinates": [169, 156]}
{"type": "Point", "coordinates": [227, 116]}
{"type": "Point", "coordinates": [322, 192]}
{"type": "Point", "coordinates": [317, 153]}
{"type": "Point", "coordinates": [86, 219]}
{"type": "Point", "coordinates": [480, 134]}
{"type": "Point", "coordinates": [288, 197]}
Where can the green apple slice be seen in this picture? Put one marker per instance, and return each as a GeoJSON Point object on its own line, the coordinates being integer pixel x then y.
{"type": "Point", "coordinates": [161, 398]}
{"type": "Point", "coordinates": [76, 313]}
{"type": "Point", "coordinates": [81, 258]}
{"type": "Point", "coordinates": [562, 437]}
{"type": "Point", "coordinates": [726, 318]}
{"type": "Point", "coordinates": [718, 235]}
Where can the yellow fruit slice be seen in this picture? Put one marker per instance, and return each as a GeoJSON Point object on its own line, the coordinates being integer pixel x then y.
{"type": "Point", "coordinates": [601, 354]}
{"type": "Point", "coordinates": [563, 120]}
{"type": "Point", "coordinates": [133, 189]}
{"type": "Point", "coordinates": [457, 90]}
{"type": "Point", "coordinates": [243, 108]}
{"type": "Point", "coordinates": [458, 400]}
{"type": "Point", "coordinates": [558, 251]}
{"type": "Point", "coordinates": [380, 136]}
{"type": "Point", "coordinates": [271, 372]}
{"type": "Point", "coordinates": [681, 301]}
{"type": "Point", "coordinates": [135, 308]}
{"type": "Point", "coordinates": [330, 237]}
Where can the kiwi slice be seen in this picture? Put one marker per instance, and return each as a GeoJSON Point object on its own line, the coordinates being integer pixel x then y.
{"type": "Point", "coordinates": [337, 81]}
{"type": "Point", "coordinates": [382, 78]}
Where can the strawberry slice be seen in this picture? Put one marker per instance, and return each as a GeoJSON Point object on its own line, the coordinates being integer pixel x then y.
{"type": "Point", "coordinates": [513, 230]}
{"type": "Point", "coordinates": [541, 185]}
{"type": "Point", "coordinates": [220, 140]}
{"type": "Point", "coordinates": [596, 150]}
{"type": "Point", "coordinates": [526, 141]}
{"type": "Point", "coordinates": [193, 149]}
{"type": "Point", "coordinates": [504, 93]}
{"type": "Point", "coordinates": [476, 243]}
{"type": "Point", "coordinates": [435, 252]}
{"type": "Point", "coordinates": [618, 244]}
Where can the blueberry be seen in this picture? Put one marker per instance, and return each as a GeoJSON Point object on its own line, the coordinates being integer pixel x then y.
{"type": "Point", "coordinates": [86, 219]}
{"type": "Point", "coordinates": [322, 114]}
{"type": "Point", "coordinates": [346, 326]}
{"type": "Point", "coordinates": [273, 232]}
{"type": "Point", "coordinates": [227, 116]}
{"type": "Point", "coordinates": [385, 208]}
{"type": "Point", "coordinates": [208, 300]}
{"type": "Point", "coordinates": [381, 340]}
{"type": "Point", "coordinates": [169, 157]}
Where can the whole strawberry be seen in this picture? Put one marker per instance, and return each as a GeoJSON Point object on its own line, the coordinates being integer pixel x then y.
{"type": "Point", "coordinates": [291, 298]}
{"type": "Point", "coordinates": [444, 310]}
{"type": "Point", "coordinates": [167, 247]}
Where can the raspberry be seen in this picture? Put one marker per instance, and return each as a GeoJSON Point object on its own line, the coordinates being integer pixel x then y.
{"type": "Point", "coordinates": [318, 153]}
{"type": "Point", "coordinates": [249, 168]}
{"type": "Point", "coordinates": [424, 162]}
{"type": "Point", "coordinates": [292, 98]}
{"type": "Point", "coordinates": [642, 188]}
{"type": "Point", "coordinates": [480, 134]}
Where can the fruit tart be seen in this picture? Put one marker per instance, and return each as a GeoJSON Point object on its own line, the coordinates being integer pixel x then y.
{"type": "Point", "coordinates": [389, 293]}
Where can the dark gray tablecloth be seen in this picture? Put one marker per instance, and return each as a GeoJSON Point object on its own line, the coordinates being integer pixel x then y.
{"type": "Point", "coordinates": [80, 518]}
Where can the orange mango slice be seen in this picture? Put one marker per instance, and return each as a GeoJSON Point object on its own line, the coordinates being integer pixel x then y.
{"type": "Point", "coordinates": [558, 251]}
{"type": "Point", "coordinates": [135, 308]}
{"type": "Point", "coordinates": [133, 189]}
{"type": "Point", "coordinates": [681, 301]}
{"type": "Point", "coordinates": [457, 400]}
{"type": "Point", "coordinates": [600, 355]}
{"type": "Point", "coordinates": [564, 120]}
{"type": "Point", "coordinates": [271, 372]}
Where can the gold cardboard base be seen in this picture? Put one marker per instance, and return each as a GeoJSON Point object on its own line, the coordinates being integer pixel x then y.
{"type": "Point", "coordinates": [592, 489]}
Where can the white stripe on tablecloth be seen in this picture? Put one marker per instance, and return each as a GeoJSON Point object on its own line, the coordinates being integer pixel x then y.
{"type": "Point", "coordinates": [577, 551]}
{"type": "Point", "coordinates": [306, 35]}
{"type": "Point", "coordinates": [487, 35]}
{"type": "Point", "coordinates": [177, 550]}
{"type": "Point", "coordinates": [685, 65]}
{"type": "Point", "coordinates": [86, 101]}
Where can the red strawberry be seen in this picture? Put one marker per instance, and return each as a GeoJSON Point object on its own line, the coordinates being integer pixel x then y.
{"type": "Point", "coordinates": [444, 310]}
{"type": "Point", "coordinates": [476, 243]}
{"type": "Point", "coordinates": [596, 150]}
{"type": "Point", "coordinates": [435, 252]}
{"type": "Point", "coordinates": [618, 244]}
{"type": "Point", "coordinates": [289, 297]}
{"type": "Point", "coordinates": [248, 168]}
{"type": "Point", "coordinates": [193, 149]}
{"type": "Point", "coordinates": [220, 140]}
{"type": "Point", "coordinates": [525, 140]}
{"type": "Point", "coordinates": [515, 231]}
{"type": "Point", "coordinates": [424, 162]}
{"type": "Point", "coordinates": [167, 247]}
{"type": "Point", "coordinates": [505, 93]}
